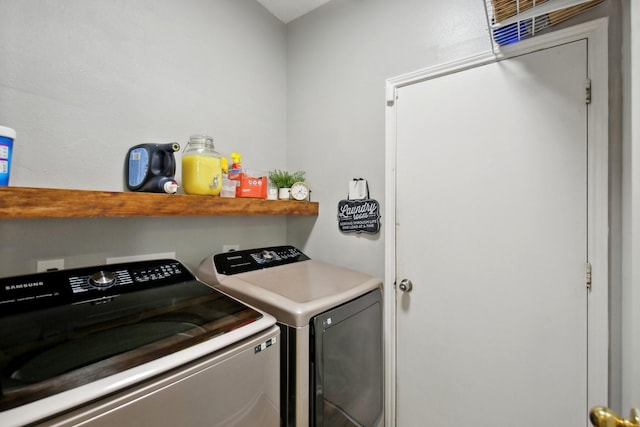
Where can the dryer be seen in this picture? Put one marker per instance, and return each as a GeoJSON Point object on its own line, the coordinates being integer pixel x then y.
{"type": "Point", "coordinates": [330, 319]}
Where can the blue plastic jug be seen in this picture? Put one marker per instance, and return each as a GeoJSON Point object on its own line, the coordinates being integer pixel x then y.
{"type": "Point", "coordinates": [7, 136]}
{"type": "Point", "coordinates": [151, 168]}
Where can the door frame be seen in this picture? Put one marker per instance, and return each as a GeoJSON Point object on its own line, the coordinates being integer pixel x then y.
{"type": "Point", "coordinates": [597, 206]}
{"type": "Point", "coordinates": [631, 227]}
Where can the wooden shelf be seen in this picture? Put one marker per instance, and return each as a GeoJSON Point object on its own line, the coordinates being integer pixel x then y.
{"type": "Point", "coordinates": [23, 202]}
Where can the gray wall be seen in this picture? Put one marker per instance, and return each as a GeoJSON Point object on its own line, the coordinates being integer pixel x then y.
{"type": "Point", "coordinates": [83, 81]}
{"type": "Point", "coordinates": [339, 57]}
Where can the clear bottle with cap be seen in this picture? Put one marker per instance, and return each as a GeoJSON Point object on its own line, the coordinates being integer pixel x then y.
{"type": "Point", "coordinates": [201, 167]}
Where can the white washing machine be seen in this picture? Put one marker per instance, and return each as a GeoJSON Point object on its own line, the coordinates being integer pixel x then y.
{"type": "Point", "coordinates": [331, 323]}
{"type": "Point", "coordinates": [136, 344]}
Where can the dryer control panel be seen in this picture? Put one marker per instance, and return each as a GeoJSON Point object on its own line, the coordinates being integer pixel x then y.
{"type": "Point", "coordinates": [236, 262]}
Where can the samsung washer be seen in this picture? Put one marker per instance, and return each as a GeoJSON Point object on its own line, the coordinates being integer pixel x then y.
{"type": "Point", "coordinates": [331, 323]}
{"type": "Point", "coordinates": [133, 344]}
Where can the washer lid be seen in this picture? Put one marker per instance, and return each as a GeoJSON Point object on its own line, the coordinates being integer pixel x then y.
{"type": "Point", "coordinates": [58, 332]}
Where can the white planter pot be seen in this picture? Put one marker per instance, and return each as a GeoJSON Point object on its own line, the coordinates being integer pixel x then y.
{"type": "Point", "coordinates": [284, 193]}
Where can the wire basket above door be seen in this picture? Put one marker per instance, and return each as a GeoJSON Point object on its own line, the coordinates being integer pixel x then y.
{"type": "Point", "coordinates": [513, 20]}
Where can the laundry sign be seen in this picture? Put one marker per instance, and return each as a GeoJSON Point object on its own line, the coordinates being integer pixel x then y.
{"type": "Point", "coordinates": [361, 215]}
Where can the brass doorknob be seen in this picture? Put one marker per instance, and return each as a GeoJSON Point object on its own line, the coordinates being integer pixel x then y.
{"type": "Point", "coordinates": [605, 417]}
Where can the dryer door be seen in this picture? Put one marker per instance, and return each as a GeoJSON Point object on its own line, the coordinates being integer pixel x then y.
{"type": "Point", "coordinates": [346, 364]}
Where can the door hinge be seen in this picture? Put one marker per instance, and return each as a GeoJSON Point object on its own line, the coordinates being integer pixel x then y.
{"type": "Point", "coordinates": [587, 91]}
{"type": "Point", "coordinates": [588, 274]}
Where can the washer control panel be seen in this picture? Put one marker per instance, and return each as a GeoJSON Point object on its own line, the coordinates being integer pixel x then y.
{"type": "Point", "coordinates": [236, 262]}
{"type": "Point", "coordinates": [130, 275]}
{"type": "Point", "coordinates": [80, 285]}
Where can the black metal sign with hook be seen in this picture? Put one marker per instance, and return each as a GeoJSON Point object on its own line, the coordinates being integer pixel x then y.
{"type": "Point", "coordinates": [360, 215]}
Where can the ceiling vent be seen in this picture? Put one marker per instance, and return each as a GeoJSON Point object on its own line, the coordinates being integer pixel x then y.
{"type": "Point", "coordinates": [513, 20]}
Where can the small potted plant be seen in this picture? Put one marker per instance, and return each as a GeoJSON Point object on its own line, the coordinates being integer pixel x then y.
{"type": "Point", "coordinates": [284, 180]}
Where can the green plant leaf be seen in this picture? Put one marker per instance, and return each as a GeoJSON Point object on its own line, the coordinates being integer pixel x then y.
{"type": "Point", "coordinates": [284, 179]}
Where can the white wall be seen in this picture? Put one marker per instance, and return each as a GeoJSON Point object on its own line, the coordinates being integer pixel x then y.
{"type": "Point", "coordinates": [83, 81]}
{"type": "Point", "coordinates": [339, 57]}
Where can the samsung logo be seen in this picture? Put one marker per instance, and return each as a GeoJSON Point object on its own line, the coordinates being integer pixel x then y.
{"type": "Point", "coordinates": [23, 286]}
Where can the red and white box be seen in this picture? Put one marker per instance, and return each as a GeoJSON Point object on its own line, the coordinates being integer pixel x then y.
{"type": "Point", "coordinates": [252, 186]}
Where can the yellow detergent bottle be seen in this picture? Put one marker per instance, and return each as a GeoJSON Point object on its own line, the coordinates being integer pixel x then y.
{"type": "Point", "coordinates": [201, 167]}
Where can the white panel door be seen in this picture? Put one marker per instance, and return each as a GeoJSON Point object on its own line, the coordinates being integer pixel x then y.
{"type": "Point", "coordinates": [492, 232]}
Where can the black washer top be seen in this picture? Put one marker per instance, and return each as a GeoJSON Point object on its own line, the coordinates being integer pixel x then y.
{"type": "Point", "coordinates": [63, 329]}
